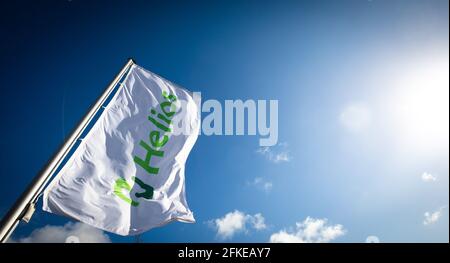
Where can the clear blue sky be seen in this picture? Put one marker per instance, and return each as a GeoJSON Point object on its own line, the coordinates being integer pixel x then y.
{"type": "Point", "coordinates": [362, 108]}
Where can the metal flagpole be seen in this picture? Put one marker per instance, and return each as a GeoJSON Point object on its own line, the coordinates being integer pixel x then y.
{"type": "Point", "coordinates": [25, 205]}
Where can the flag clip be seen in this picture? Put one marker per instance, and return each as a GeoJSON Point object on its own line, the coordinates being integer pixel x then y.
{"type": "Point", "coordinates": [29, 213]}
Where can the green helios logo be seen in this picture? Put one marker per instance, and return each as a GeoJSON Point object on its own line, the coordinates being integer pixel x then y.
{"type": "Point", "coordinates": [157, 138]}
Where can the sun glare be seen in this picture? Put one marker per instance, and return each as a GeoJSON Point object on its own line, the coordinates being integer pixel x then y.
{"type": "Point", "coordinates": [421, 108]}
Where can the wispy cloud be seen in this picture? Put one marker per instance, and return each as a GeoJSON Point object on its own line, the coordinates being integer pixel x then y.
{"type": "Point", "coordinates": [237, 221]}
{"type": "Point", "coordinates": [427, 177]}
{"type": "Point", "coordinates": [355, 117]}
{"type": "Point", "coordinates": [432, 217]}
{"type": "Point", "coordinates": [276, 154]}
{"type": "Point", "coordinates": [310, 230]}
{"type": "Point", "coordinates": [257, 221]}
{"type": "Point", "coordinates": [372, 239]}
{"type": "Point", "coordinates": [69, 233]}
{"type": "Point", "coordinates": [262, 184]}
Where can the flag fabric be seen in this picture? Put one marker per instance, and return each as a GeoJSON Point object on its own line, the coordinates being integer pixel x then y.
{"type": "Point", "coordinates": [128, 174]}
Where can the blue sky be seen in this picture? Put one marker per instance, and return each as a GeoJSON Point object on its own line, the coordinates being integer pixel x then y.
{"type": "Point", "coordinates": [363, 108]}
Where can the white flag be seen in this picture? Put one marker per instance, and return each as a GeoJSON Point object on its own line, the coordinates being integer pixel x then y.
{"type": "Point", "coordinates": [127, 175]}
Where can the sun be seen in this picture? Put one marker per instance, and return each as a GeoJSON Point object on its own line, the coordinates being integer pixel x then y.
{"type": "Point", "coordinates": [421, 106]}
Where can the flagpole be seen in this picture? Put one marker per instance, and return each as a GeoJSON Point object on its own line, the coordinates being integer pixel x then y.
{"type": "Point", "coordinates": [24, 206]}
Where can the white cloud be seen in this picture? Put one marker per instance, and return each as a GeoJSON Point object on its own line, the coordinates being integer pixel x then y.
{"type": "Point", "coordinates": [257, 221]}
{"type": "Point", "coordinates": [432, 217]}
{"type": "Point", "coordinates": [281, 157]}
{"type": "Point", "coordinates": [69, 233]}
{"type": "Point", "coordinates": [311, 230]}
{"type": "Point", "coordinates": [355, 117]}
{"type": "Point", "coordinates": [262, 184]}
{"type": "Point", "coordinates": [372, 239]}
{"type": "Point", "coordinates": [427, 177]}
{"type": "Point", "coordinates": [237, 221]}
{"type": "Point", "coordinates": [276, 154]}
{"type": "Point", "coordinates": [230, 224]}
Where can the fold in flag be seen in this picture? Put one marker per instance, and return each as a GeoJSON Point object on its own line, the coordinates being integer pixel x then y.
{"type": "Point", "coordinates": [127, 175]}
